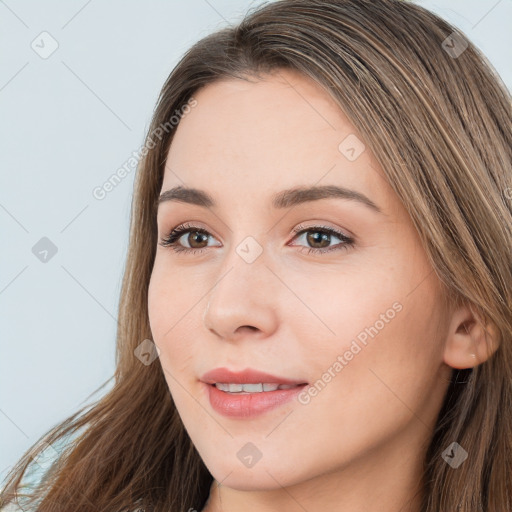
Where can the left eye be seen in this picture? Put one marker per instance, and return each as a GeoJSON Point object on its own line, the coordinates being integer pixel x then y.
{"type": "Point", "coordinates": [319, 235]}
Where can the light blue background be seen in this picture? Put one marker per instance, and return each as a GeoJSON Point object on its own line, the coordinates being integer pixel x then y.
{"type": "Point", "coordinates": [67, 123]}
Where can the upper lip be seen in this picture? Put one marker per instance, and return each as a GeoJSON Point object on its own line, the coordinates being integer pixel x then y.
{"type": "Point", "coordinates": [247, 376]}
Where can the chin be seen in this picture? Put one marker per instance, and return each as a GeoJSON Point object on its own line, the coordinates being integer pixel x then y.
{"type": "Point", "coordinates": [261, 477]}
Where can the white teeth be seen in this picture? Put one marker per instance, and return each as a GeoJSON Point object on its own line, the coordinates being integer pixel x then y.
{"type": "Point", "coordinates": [251, 388]}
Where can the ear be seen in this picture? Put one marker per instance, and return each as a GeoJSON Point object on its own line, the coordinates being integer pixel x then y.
{"type": "Point", "coordinates": [469, 341]}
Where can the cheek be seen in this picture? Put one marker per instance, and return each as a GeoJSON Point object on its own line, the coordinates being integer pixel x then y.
{"type": "Point", "coordinates": [344, 305]}
{"type": "Point", "coordinates": [171, 297]}
{"type": "Point", "coordinates": [377, 323]}
{"type": "Point", "coordinates": [379, 386]}
{"type": "Point", "coordinates": [385, 360]}
{"type": "Point", "coordinates": [172, 309]}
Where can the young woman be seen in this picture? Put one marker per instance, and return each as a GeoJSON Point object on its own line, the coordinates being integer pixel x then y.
{"type": "Point", "coordinates": [316, 308]}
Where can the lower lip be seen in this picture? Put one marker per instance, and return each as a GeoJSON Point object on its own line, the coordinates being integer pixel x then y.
{"type": "Point", "coordinates": [251, 404]}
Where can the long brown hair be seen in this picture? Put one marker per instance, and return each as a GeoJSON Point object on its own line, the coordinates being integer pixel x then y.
{"type": "Point", "coordinates": [438, 122]}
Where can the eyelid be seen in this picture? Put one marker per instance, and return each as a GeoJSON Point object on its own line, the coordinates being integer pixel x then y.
{"type": "Point", "coordinates": [323, 225]}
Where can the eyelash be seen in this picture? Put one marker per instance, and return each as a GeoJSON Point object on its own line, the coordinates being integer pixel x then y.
{"type": "Point", "coordinates": [172, 238]}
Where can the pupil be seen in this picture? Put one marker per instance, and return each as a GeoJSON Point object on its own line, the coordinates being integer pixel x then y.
{"type": "Point", "coordinates": [197, 234]}
{"type": "Point", "coordinates": [314, 239]}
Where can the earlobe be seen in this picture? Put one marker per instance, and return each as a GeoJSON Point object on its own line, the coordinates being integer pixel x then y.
{"type": "Point", "coordinates": [469, 341]}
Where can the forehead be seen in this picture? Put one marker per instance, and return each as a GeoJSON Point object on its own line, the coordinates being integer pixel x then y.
{"type": "Point", "coordinates": [255, 137]}
{"type": "Point", "coordinates": [278, 113]}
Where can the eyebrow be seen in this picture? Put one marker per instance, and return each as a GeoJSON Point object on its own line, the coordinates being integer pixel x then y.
{"type": "Point", "coordinates": [284, 199]}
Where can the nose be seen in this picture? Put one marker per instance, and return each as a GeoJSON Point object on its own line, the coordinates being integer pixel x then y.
{"type": "Point", "coordinates": [245, 300]}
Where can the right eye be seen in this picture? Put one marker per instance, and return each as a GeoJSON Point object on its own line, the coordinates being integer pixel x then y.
{"type": "Point", "coordinates": [172, 239]}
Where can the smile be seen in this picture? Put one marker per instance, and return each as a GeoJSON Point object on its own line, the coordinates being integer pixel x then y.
{"type": "Point", "coordinates": [252, 388]}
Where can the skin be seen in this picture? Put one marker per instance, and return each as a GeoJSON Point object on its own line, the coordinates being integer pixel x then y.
{"type": "Point", "coordinates": [359, 443]}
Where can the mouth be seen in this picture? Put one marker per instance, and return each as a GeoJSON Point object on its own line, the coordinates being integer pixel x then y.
{"type": "Point", "coordinates": [248, 393]}
{"type": "Point", "coordinates": [244, 401]}
{"type": "Point", "coordinates": [260, 387]}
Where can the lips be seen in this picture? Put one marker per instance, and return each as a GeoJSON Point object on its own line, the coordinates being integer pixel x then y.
{"type": "Point", "coordinates": [248, 376]}
{"type": "Point", "coordinates": [248, 393]}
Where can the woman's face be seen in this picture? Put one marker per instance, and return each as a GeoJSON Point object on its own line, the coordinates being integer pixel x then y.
{"type": "Point", "coordinates": [360, 322]}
